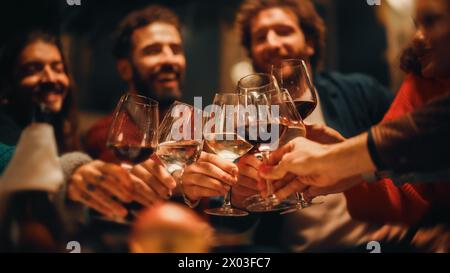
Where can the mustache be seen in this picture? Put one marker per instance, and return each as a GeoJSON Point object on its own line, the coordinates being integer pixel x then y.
{"type": "Point", "coordinates": [43, 88]}
{"type": "Point", "coordinates": [167, 68]}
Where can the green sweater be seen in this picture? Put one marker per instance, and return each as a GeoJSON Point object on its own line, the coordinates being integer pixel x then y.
{"type": "Point", "coordinates": [6, 153]}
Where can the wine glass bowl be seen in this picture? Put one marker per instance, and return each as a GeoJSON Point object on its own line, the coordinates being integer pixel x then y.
{"type": "Point", "coordinates": [132, 136]}
{"type": "Point", "coordinates": [179, 139]}
{"type": "Point", "coordinates": [293, 75]}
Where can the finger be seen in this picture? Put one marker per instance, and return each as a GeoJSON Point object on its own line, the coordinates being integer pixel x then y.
{"type": "Point", "coordinates": [222, 164]}
{"type": "Point", "coordinates": [195, 179]}
{"type": "Point", "coordinates": [284, 181]}
{"type": "Point", "coordinates": [312, 192]}
{"type": "Point", "coordinates": [76, 195]}
{"type": "Point", "coordinates": [249, 160]}
{"type": "Point", "coordinates": [276, 156]}
{"type": "Point", "coordinates": [153, 182]}
{"type": "Point", "coordinates": [210, 170]}
{"type": "Point", "coordinates": [101, 197]}
{"type": "Point", "coordinates": [160, 172]}
{"type": "Point", "coordinates": [108, 183]}
{"type": "Point", "coordinates": [195, 192]}
{"type": "Point", "coordinates": [143, 193]}
{"type": "Point", "coordinates": [293, 187]}
{"type": "Point", "coordinates": [248, 171]}
{"type": "Point", "coordinates": [119, 174]}
{"type": "Point", "coordinates": [274, 172]}
{"type": "Point", "coordinates": [248, 183]}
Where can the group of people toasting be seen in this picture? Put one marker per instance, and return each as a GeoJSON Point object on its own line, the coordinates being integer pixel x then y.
{"type": "Point", "coordinates": [288, 133]}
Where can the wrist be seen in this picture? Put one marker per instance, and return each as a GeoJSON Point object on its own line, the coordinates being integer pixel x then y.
{"type": "Point", "coordinates": [350, 157]}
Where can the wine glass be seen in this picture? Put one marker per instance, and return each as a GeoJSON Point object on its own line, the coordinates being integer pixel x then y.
{"type": "Point", "coordinates": [222, 136]}
{"type": "Point", "coordinates": [180, 138]}
{"type": "Point", "coordinates": [253, 84]}
{"type": "Point", "coordinates": [265, 130]}
{"type": "Point", "coordinates": [257, 82]}
{"type": "Point", "coordinates": [292, 74]}
{"type": "Point", "coordinates": [133, 133]}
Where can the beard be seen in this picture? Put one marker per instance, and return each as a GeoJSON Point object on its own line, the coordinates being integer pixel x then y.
{"type": "Point", "coordinates": [146, 85]}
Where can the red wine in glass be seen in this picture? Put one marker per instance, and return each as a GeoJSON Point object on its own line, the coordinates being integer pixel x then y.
{"type": "Point", "coordinates": [305, 107]}
{"type": "Point", "coordinates": [131, 154]}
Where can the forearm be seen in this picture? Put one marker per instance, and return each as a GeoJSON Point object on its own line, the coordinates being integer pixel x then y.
{"type": "Point", "coordinates": [349, 158]}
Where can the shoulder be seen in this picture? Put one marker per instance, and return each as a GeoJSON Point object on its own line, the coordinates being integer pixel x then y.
{"type": "Point", "coordinates": [353, 81]}
{"type": "Point", "coordinates": [101, 125]}
{"type": "Point", "coordinates": [354, 84]}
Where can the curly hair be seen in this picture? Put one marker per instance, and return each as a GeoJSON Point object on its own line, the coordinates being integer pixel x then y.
{"type": "Point", "coordinates": [137, 19]}
{"type": "Point", "coordinates": [409, 62]}
{"type": "Point", "coordinates": [309, 20]}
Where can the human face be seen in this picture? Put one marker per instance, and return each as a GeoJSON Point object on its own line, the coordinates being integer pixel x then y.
{"type": "Point", "coordinates": [431, 41]}
{"type": "Point", "coordinates": [42, 76]}
{"type": "Point", "coordinates": [158, 61]}
{"type": "Point", "coordinates": [276, 35]}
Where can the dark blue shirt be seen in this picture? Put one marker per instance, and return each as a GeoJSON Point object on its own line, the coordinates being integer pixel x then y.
{"type": "Point", "coordinates": [352, 103]}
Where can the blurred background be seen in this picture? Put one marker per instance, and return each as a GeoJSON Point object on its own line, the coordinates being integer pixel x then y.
{"type": "Point", "coordinates": [360, 38]}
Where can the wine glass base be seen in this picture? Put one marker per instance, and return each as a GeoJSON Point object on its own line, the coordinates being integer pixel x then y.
{"type": "Point", "coordinates": [296, 206]}
{"type": "Point", "coordinates": [253, 200]}
{"type": "Point", "coordinates": [268, 206]}
{"type": "Point", "coordinates": [224, 211]}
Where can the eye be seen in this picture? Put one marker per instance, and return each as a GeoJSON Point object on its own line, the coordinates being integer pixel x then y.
{"type": "Point", "coordinates": [259, 36]}
{"type": "Point", "coordinates": [31, 69]}
{"type": "Point", "coordinates": [284, 30]}
{"type": "Point", "coordinates": [152, 49]}
{"type": "Point", "coordinates": [429, 20]}
{"type": "Point", "coordinates": [58, 67]}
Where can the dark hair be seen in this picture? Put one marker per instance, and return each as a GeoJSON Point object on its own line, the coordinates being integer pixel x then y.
{"type": "Point", "coordinates": [310, 22]}
{"type": "Point", "coordinates": [65, 122]}
{"type": "Point", "coordinates": [409, 62]}
{"type": "Point", "coordinates": [137, 19]}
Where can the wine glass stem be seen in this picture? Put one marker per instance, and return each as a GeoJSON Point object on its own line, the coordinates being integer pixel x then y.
{"type": "Point", "coordinates": [269, 185]}
{"type": "Point", "coordinates": [227, 200]}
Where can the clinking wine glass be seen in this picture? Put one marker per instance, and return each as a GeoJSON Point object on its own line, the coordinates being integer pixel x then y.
{"type": "Point", "coordinates": [293, 75]}
{"type": "Point", "coordinates": [295, 128]}
{"type": "Point", "coordinates": [180, 138]}
{"type": "Point", "coordinates": [133, 133]}
{"type": "Point", "coordinates": [222, 136]}
{"type": "Point", "coordinates": [253, 84]}
{"type": "Point", "coordinates": [264, 129]}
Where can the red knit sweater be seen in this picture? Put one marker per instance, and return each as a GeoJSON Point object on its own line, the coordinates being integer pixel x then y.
{"type": "Point", "coordinates": [383, 202]}
{"type": "Point", "coordinates": [95, 140]}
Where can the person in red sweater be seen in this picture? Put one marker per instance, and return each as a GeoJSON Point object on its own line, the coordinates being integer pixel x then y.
{"type": "Point", "coordinates": [384, 201]}
{"type": "Point", "coordinates": [428, 64]}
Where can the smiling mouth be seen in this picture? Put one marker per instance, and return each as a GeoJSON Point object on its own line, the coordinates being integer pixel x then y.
{"type": "Point", "coordinates": [167, 77]}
